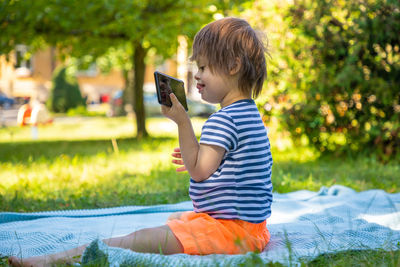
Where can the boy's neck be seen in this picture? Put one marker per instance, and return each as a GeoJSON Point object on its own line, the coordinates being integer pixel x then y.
{"type": "Point", "coordinates": [234, 94]}
{"type": "Point", "coordinates": [232, 98]}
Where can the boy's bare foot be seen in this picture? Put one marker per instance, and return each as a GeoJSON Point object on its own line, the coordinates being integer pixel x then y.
{"type": "Point", "coordinates": [63, 257]}
{"type": "Point", "coordinates": [39, 261]}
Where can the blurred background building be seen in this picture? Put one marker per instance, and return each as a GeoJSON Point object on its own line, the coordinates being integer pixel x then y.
{"type": "Point", "coordinates": [26, 76]}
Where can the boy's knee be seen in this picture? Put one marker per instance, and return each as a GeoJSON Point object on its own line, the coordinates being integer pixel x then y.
{"type": "Point", "coordinates": [175, 216]}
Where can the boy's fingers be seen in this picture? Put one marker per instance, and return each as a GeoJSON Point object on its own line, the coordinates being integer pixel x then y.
{"type": "Point", "coordinates": [177, 149]}
{"type": "Point", "coordinates": [181, 169]}
{"type": "Point", "coordinates": [174, 99]}
{"type": "Point", "coordinates": [177, 161]}
{"type": "Point", "coordinates": [177, 155]}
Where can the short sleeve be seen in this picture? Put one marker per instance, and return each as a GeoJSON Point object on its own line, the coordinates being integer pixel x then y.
{"type": "Point", "coordinates": [220, 130]}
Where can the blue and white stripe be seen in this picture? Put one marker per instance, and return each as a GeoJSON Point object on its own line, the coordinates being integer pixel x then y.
{"type": "Point", "coordinates": [241, 187]}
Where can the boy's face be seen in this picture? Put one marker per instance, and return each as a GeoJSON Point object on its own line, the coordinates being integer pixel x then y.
{"type": "Point", "coordinates": [212, 86]}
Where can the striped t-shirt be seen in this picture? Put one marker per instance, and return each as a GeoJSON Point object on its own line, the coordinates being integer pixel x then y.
{"type": "Point", "coordinates": [241, 187]}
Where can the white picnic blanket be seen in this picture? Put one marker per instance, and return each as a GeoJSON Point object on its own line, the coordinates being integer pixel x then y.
{"type": "Point", "coordinates": [303, 225]}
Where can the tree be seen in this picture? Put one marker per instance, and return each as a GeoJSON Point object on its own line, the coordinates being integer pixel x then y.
{"type": "Point", "coordinates": [89, 27]}
{"type": "Point", "coordinates": [65, 92]}
{"type": "Point", "coordinates": [350, 75]}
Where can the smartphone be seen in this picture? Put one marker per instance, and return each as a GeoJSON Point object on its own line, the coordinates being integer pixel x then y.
{"type": "Point", "coordinates": [165, 85]}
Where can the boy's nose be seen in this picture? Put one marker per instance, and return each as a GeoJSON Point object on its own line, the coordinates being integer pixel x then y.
{"type": "Point", "coordinates": [196, 76]}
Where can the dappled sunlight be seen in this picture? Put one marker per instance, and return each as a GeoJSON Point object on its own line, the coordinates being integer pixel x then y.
{"type": "Point", "coordinates": [165, 127]}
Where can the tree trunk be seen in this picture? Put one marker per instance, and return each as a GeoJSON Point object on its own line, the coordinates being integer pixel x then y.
{"type": "Point", "coordinates": [139, 71]}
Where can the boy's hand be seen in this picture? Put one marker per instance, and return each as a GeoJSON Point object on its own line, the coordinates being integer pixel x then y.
{"type": "Point", "coordinates": [178, 159]}
{"type": "Point", "coordinates": [177, 112]}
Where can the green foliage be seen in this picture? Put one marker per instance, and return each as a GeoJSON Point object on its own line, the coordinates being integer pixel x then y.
{"type": "Point", "coordinates": [344, 91]}
{"type": "Point", "coordinates": [94, 256]}
{"type": "Point", "coordinates": [65, 93]}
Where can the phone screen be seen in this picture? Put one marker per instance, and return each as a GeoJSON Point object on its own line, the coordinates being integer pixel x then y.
{"type": "Point", "coordinates": [165, 85]}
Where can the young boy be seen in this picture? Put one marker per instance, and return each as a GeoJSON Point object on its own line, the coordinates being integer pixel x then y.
{"type": "Point", "coordinates": [230, 167]}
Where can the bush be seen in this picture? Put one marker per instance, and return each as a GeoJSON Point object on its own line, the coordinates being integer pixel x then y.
{"type": "Point", "coordinates": [348, 86]}
{"type": "Point", "coordinates": [65, 93]}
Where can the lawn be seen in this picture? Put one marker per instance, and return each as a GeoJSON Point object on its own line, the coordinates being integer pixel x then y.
{"type": "Point", "coordinates": [94, 163]}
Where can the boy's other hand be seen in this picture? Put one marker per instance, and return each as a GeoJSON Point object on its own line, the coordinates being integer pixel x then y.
{"type": "Point", "coordinates": [178, 159]}
{"type": "Point", "coordinates": [176, 112]}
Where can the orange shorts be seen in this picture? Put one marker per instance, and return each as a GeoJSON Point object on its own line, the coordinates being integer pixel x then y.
{"type": "Point", "coordinates": [201, 234]}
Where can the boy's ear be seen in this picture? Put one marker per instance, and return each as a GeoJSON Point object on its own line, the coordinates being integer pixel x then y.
{"type": "Point", "coordinates": [236, 67]}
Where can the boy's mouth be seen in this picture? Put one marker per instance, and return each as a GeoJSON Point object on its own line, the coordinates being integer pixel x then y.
{"type": "Point", "coordinates": [200, 86]}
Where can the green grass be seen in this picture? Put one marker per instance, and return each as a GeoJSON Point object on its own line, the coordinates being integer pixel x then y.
{"type": "Point", "coordinates": [358, 258]}
{"type": "Point", "coordinates": [302, 170]}
{"type": "Point", "coordinates": [73, 165]}
{"type": "Point", "coordinates": [63, 170]}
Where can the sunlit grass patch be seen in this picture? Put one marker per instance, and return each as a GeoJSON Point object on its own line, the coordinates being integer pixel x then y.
{"type": "Point", "coordinates": [90, 128]}
{"type": "Point", "coordinates": [89, 174]}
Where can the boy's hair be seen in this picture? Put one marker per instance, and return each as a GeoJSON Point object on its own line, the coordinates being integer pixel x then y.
{"type": "Point", "coordinates": [223, 42]}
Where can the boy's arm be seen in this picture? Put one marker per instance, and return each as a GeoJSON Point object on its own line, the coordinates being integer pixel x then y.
{"type": "Point", "coordinates": [200, 160]}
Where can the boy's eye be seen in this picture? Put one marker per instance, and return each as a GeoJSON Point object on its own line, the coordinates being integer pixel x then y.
{"type": "Point", "coordinates": [201, 68]}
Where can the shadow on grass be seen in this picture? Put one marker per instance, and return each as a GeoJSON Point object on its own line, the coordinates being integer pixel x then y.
{"type": "Point", "coordinates": [23, 152]}
{"type": "Point", "coordinates": [91, 202]}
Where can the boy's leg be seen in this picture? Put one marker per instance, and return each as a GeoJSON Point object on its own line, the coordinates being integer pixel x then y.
{"type": "Point", "coordinates": [152, 240]}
